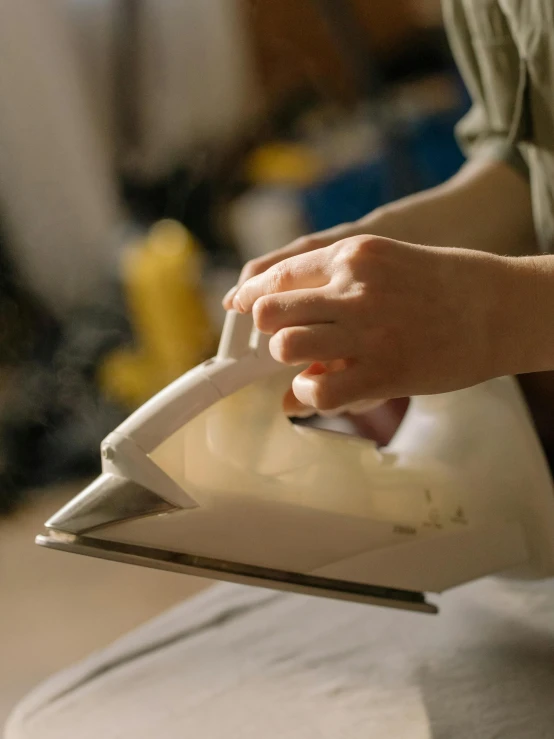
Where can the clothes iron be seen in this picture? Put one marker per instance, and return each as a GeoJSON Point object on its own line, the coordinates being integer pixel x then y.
{"type": "Point", "coordinates": [210, 478]}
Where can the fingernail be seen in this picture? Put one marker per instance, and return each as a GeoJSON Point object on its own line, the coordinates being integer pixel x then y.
{"type": "Point", "coordinates": [302, 387]}
{"type": "Point", "coordinates": [228, 298]}
{"type": "Point", "coordinates": [294, 409]}
{"type": "Point", "coordinates": [237, 305]}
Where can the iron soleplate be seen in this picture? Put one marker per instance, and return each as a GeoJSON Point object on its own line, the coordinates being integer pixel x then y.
{"type": "Point", "coordinates": [237, 572]}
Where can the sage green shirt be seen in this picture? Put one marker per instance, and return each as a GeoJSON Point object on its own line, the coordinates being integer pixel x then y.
{"type": "Point", "coordinates": [505, 52]}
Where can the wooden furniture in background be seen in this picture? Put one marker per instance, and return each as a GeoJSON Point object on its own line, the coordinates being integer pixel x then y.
{"type": "Point", "coordinates": [295, 45]}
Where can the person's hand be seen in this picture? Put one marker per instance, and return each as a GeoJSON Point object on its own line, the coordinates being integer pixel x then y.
{"type": "Point", "coordinates": [376, 318]}
{"type": "Point", "coordinates": [302, 245]}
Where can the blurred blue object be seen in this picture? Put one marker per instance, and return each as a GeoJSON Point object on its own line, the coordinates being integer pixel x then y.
{"type": "Point", "coordinates": [432, 148]}
{"type": "Point", "coordinates": [347, 195]}
{"type": "Point", "coordinates": [425, 148]}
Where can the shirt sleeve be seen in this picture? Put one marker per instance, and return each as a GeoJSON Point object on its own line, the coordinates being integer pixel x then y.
{"type": "Point", "coordinates": [489, 129]}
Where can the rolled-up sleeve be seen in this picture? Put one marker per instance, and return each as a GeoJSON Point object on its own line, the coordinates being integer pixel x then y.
{"type": "Point", "coordinates": [495, 77]}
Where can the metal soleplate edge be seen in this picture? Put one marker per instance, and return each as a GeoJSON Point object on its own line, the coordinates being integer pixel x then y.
{"type": "Point", "coordinates": [189, 564]}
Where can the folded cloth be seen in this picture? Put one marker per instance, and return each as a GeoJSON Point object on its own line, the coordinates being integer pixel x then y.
{"type": "Point", "coordinates": [243, 662]}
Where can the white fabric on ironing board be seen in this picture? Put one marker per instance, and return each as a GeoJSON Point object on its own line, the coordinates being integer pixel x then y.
{"type": "Point", "coordinates": [241, 662]}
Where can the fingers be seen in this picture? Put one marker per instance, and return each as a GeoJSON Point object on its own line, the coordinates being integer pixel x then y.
{"type": "Point", "coordinates": [302, 245]}
{"type": "Point", "coordinates": [293, 407]}
{"type": "Point", "coordinates": [227, 301]}
{"type": "Point", "coordinates": [300, 272]}
{"type": "Point", "coordinates": [329, 391]}
{"type": "Point", "coordinates": [272, 313]}
{"type": "Point", "coordinates": [257, 266]}
{"type": "Point", "coordinates": [261, 264]}
{"type": "Point", "coordinates": [302, 344]}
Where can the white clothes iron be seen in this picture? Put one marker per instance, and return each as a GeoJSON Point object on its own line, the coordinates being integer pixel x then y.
{"type": "Point", "coordinates": [210, 478]}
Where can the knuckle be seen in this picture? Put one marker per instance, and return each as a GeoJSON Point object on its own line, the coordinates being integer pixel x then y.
{"type": "Point", "coordinates": [372, 245]}
{"type": "Point", "coordinates": [364, 275]}
{"type": "Point", "coordinates": [277, 276]}
{"type": "Point", "coordinates": [359, 300]}
{"type": "Point", "coordinates": [359, 249]}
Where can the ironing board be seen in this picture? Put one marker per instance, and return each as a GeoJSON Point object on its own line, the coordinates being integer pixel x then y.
{"type": "Point", "coordinates": [242, 662]}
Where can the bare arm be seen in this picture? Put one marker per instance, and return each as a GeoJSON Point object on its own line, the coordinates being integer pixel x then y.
{"type": "Point", "coordinates": [486, 206]}
{"type": "Point", "coordinates": [391, 319]}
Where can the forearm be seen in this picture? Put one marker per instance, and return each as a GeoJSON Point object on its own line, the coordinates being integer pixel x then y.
{"type": "Point", "coordinates": [485, 206]}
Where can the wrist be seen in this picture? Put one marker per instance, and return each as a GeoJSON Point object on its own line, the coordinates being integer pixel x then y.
{"type": "Point", "coordinates": [416, 219]}
{"type": "Point", "coordinates": [389, 221]}
{"type": "Point", "coordinates": [524, 325]}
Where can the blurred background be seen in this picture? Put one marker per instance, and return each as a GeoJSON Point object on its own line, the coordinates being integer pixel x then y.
{"type": "Point", "coordinates": [148, 148]}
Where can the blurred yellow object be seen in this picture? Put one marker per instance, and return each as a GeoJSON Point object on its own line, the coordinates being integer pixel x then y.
{"type": "Point", "coordinates": [162, 283]}
{"type": "Point", "coordinates": [283, 163]}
